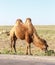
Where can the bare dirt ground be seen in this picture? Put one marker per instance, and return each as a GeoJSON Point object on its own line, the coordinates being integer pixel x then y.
{"type": "Point", "coordinates": [26, 60]}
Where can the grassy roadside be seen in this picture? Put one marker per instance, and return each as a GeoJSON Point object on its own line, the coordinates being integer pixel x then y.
{"type": "Point", "coordinates": [46, 32]}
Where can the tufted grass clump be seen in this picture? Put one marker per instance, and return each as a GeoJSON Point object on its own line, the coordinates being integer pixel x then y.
{"type": "Point", "coordinates": [50, 53]}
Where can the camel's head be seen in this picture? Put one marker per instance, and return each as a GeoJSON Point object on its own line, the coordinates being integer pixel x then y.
{"type": "Point", "coordinates": [44, 45]}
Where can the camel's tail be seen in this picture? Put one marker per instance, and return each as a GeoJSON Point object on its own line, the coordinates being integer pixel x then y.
{"type": "Point", "coordinates": [7, 33]}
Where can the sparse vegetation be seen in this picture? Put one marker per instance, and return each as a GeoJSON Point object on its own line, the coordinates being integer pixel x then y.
{"type": "Point", "coordinates": [46, 32]}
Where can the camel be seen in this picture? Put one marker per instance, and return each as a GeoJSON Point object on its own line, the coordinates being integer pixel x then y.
{"type": "Point", "coordinates": [25, 31]}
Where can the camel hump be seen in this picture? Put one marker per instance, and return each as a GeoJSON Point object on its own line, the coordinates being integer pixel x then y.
{"type": "Point", "coordinates": [19, 29]}
{"type": "Point", "coordinates": [18, 22]}
{"type": "Point", "coordinates": [29, 25]}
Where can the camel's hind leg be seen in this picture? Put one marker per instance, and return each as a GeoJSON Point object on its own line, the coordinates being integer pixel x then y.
{"type": "Point", "coordinates": [11, 45]}
{"type": "Point", "coordinates": [14, 45]}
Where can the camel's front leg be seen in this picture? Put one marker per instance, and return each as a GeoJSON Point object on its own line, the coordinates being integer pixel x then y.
{"type": "Point", "coordinates": [27, 38]}
{"type": "Point", "coordinates": [30, 49]}
{"type": "Point", "coordinates": [27, 50]}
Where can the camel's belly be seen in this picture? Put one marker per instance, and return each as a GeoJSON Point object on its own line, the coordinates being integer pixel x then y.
{"type": "Point", "coordinates": [20, 35]}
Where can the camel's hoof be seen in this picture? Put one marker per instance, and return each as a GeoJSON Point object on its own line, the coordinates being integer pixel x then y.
{"type": "Point", "coordinates": [11, 51]}
{"type": "Point", "coordinates": [15, 53]}
{"type": "Point", "coordinates": [31, 54]}
{"type": "Point", "coordinates": [26, 53]}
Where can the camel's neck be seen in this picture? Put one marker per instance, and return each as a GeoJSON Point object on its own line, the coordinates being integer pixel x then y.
{"type": "Point", "coordinates": [36, 36]}
{"type": "Point", "coordinates": [37, 41]}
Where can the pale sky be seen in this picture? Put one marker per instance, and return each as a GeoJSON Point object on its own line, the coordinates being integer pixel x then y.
{"type": "Point", "coordinates": [42, 12]}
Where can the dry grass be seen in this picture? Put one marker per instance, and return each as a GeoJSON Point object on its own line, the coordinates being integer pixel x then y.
{"type": "Point", "coordinates": [46, 32]}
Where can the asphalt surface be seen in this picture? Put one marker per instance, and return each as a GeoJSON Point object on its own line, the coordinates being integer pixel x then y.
{"type": "Point", "coordinates": [26, 60]}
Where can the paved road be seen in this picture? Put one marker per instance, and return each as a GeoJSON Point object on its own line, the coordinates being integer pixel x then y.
{"type": "Point", "coordinates": [26, 60]}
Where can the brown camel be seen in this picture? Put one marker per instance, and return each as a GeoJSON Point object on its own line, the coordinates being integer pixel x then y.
{"type": "Point", "coordinates": [25, 32]}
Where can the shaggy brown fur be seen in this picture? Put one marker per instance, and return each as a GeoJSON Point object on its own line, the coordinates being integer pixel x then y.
{"type": "Point", "coordinates": [25, 32]}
